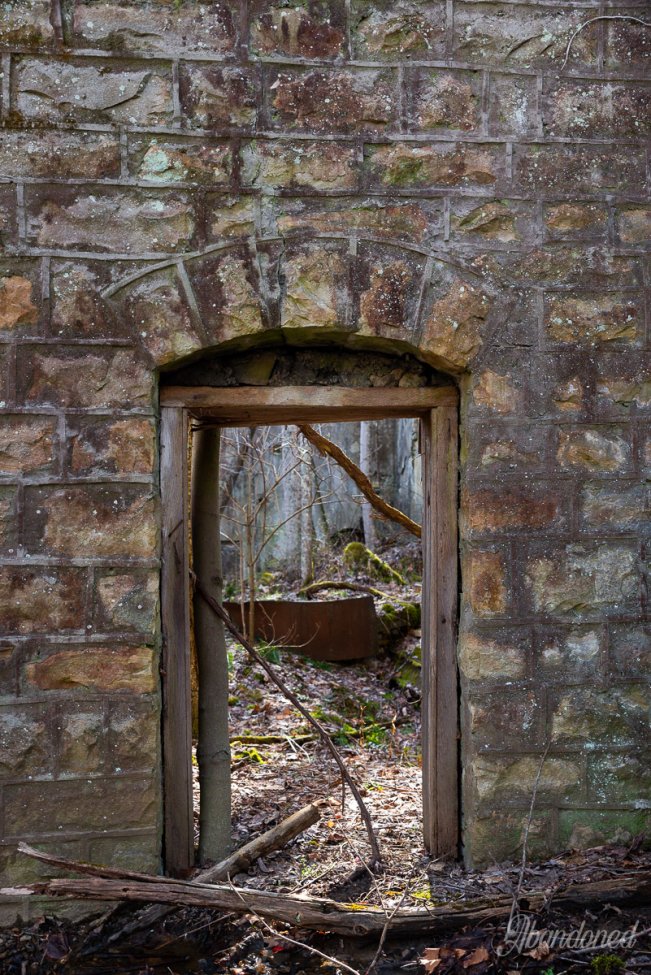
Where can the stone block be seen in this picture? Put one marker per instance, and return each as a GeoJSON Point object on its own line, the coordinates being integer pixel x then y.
{"type": "Point", "coordinates": [490, 221]}
{"type": "Point", "coordinates": [159, 313]}
{"type": "Point", "coordinates": [409, 166]}
{"type": "Point", "coordinates": [123, 27]}
{"type": "Point", "coordinates": [495, 654]}
{"type": "Point", "coordinates": [231, 217]}
{"type": "Point", "coordinates": [27, 444]}
{"type": "Point", "coordinates": [525, 35]}
{"type": "Point", "coordinates": [499, 445]}
{"type": "Point", "coordinates": [615, 716]}
{"type": "Point", "coordinates": [300, 166]}
{"type": "Point", "coordinates": [6, 359]}
{"type": "Point", "coordinates": [140, 853]}
{"type": "Point", "coordinates": [59, 155]}
{"type": "Point", "coordinates": [25, 745]}
{"type": "Point", "coordinates": [17, 869]}
{"type": "Point", "coordinates": [497, 393]}
{"type": "Point", "coordinates": [228, 291]}
{"type": "Point", "coordinates": [383, 32]}
{"type": "Point", "coordinates": [316, 289]}
{"type": "Point", "coordinates": [310, 31]}
{"type": "Point", "coordinates": [79, 308]}
{"type": "Point", "coordinates": [582, 579]}
{"type": "Point", "coordinates": [596, 110]}
{"type": "Point", "coordinates": [630, 649]}
{"type": "Point", "coordinates": [87, 91]}
{"type": "Point", "coordinates": [134, 736]}
{"type": "Point", "coordinates": [485, 583]}
{"type": "Point", "coordinates": [498, 836]}
{"type": "Point", "coordinates": [41, 599]}
{"type": "Point", "coordinates": [143, 221]}
{"type": "Point", "coordinates": [74, 377]}
{"type": "Point", "coordinates": [8, 520]}
{"type": "Point", "coordinates": [505, 508]}
{"type": "Point", "coordinates": [165, 161]}
{"type": "Point", "coordinates": [577, 221]}
{"type": "Point", "coordinates": [612, 781]}
{"type": "Point", "coordinates": [218, 97]}
{"type": "Point", "coordinates": [568, 396]}
{"type": "Point", "coordinates": [387, 290]}
{"type": "Point", "coordinates": [18, 312]}
{"type": "Point", "coordinates": [332, 100]}
{"type": "Point", "coordinates": [82, 737]}
{"type": "Point", "coordinates": [512, 105]}
{"type": "Point", "coordinates": [593, 319]}
{"type": "Point", "coordinates": [622, 506]}
{"type": "Point", "coordinates": [9, 654]}
{"type": "Point", "coordinates": [454, 320]}
{"type": "Point", "coordinates": [8, 214]}
{"type": "Point", "coordinates": [92, 521]}
{"type": "Point", "coordinates": [573, 653]}
{"type": "Point", "coordinates": [601, 449]}
{"type": "Point", "coordinates": [413, 221]}
{"type": "Point", "coordinates": [103, 445]}
{"type": "Point", "coordinates": [627, 42]}
{"type": "Point", "coordinates": [444, 101]}
{"type": "Point", "coordinates": [26, 23]}
{"type": "Point", "coordinates": [581, 829]}
{"type": "Point", "coordinates": [511, 779]}
{"type": "Point", "coordinates": [96, 669]}
{"type": "Point", "coordinates": [81, 805]}
{"type": "Point", "coordinates": [557, 266]}
{"type": "Point", "coordinates": [127, 600]}
{"type": "Point", "coordinates": [581, 169]}
{"type": "Point", "coordinates": [502, 721]}
{"type": "Point", "coordinates": [634, 224]}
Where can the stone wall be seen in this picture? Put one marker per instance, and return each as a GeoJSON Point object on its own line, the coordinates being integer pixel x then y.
{"type": "Point", "coordinates": [434, 177]}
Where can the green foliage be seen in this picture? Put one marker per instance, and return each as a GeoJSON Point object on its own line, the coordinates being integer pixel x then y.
{"type": "Point", "coordinates": [357, 557]}
{"type": "Point", "coordinates": [607, 965]}
{"type": "Point", "coordinates": [269, 652]}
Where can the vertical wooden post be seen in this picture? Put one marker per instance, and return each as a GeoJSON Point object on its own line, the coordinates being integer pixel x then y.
{"type": "Point", "coordinates": [175, 614]}
{"type": "Point", "coordinates": [440, 707]}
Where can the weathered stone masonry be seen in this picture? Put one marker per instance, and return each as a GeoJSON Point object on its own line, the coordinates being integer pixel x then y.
{"type": "Point", "coordinates": [411, 176]}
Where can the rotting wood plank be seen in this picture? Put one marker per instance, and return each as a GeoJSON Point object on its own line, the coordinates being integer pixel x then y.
{"type": "Point", "coordinates": [175, 614]}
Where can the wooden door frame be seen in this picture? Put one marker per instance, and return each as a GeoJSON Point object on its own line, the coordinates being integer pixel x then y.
{"type": "Point", "coordinates": [436, 408]}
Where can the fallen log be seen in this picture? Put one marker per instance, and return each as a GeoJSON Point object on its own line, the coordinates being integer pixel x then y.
{"type": "Point", "coordinates": [322, 914]}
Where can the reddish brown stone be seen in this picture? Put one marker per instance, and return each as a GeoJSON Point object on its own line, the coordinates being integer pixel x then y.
{"type": "Point", "coordinates": [166, 161]}
{"type": "Point", "coordinates": [214, 97]}
{"type": "Point", "coordinates": [454, 324]}
{"type": "Point", "coordinates": [59, 155]}
{"type": "Point", "coordinates": [104, 446]}
{"type": "Point", "coordinates": [73, 377]}
{"type": "Point", "coordinates": [634, 224]}
{"type": "Point", "coordinates": [295, 32]}
{"type": "Point", "coordinates": [497, 393]}
{"type": "Point", "coordinates": [580, 108]}
{"type": "Point", "coordinates": [93, 668]}
{"type": "Point", "coordinates": [16, 305]}
{"type": "Point", "coordinates": [448, 100]}
{"type": "Point", "coordinates": [495, 510]}
{"type": "Point", "coordinates": [26, 443]}
{"type": "Point", "coordinates": [595, 450]}
{"type": "Point", "coordinates": [8, 519]}
{"type": "Point", "coordinates": [333, 101]}
{"type": "Point", "coordinates": [36, 599]}
{"type": "Point", "coordinates": [127, 600]}
{"type": "Point", "coordinates": [486, 586]}
{"type": "Point", "coordinates": [391, 219]}
{"type": "Point", "coordinates": [576, 219]}
{"type": "Point", "coordinates": [91, 521]}
{"type": "Point", "coordinates": [577, 169]}
{"type": "Point", "coordinates": [384, 304]}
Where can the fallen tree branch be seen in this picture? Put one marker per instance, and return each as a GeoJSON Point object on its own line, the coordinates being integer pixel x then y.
{"type": "Point", "coordinates": [301, 911]}
{"type": "Point", "coordinates": [376, 856]}
{"type": "Point", "coordinates": [315, 587]}
{"type": "Point", "coordinates": [329, 449]}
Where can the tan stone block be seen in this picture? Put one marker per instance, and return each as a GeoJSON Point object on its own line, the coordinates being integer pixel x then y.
{"type": "Point", "coordinates": [92, 668]}
{"type": "Point", "coordinates": [167, 161]}
{"type": "Point", "coordinates": [398, 34]}
{"type": "Point", "coordinates": [78, 307]}
{"type": "Point", "coordinates": [160, 316]}
{"type": "Point", "coordinates": [561, 779]}
{"type": "Point", "coordinates": [596, 319]}
{"type": "Point", "coordinates": [453, 328]}
{"type": "Point", "coordinates": [576, 652]}
{"type": "Point", "coordinates": [111, 446]}
{"type": "Point", "coordinates": [448, 100]}
{"type": "Point", "coordinates": [404, 165]}
{"type": "Point", "coordinates": [25, 747]}
{"type": "Point", "coordinates": [70, 377]}
{"type": "Point", "coordinates": [92, 520]}
{"type": "Point", "coordinates": [215, 96]}
{"type": "Point", "coordinates": [482, 658]}
{"type": "Point", "coordinates": [570, 219]}
{"type": "Point", "coordinates": [579, 579]}
{"type": "Point", "coordinates": [82, 805]}
{"type": "Point", "coordinates": [512, 105]}
{"type": "Point", "coordinates": [635, 224]}
{"type": "Point", "coordinates": [496, 392]}
{"type": "Point", "coordinates": [490, 221]}
{"type": "Point", "coordinates": [615, 506]}
{"type": "Point", "coordinates": [41, 599]}
{"type": "Point", "coordinates": [16, 305]}
{"type": "Point", "coordinates": [140, 853]}
{"type": "Point", "coordinates": [487, 592]}
{"type": "Point", "coordinates": [498, 836]}
{"type": "Point", "coordinates": [128, 600]}
{"type": "Point", "coordinates": [615, 716]}
{"type": "Point", "coordinates": [408, 221]}
{"type": "Point", "coordinates": [26, 443]}
{"type": "Point", "coordinates": [236, 217]}
{"type": "Point", "coordinates": [59, 155]}
{"type": "Point", "coordinates": [625, 392]}
{"type": "Point", "coordinates": [300, 165]}
{"type": "Point", "coordinates": [81, 741]}
{"type": "Point", "coordinates": [592, 450]}
{"type": "Point", "coordinates": [314, 290]}
{"type": "Point", "coordinates": [135, 731]}
{"type": "Point", "coordinates": [26, 24]}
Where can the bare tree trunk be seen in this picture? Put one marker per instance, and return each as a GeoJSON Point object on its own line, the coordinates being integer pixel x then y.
{"type": "Point", "coordinates": [367, 464]}
{"type": "Point", "coordinates": [213, 752]}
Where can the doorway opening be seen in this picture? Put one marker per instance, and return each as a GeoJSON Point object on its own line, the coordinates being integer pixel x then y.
{"type": "Point", "coordinates": [435, 410]}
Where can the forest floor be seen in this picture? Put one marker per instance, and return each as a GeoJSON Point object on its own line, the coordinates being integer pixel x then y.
{"type": "Point", "coordinates": [371, 710]}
